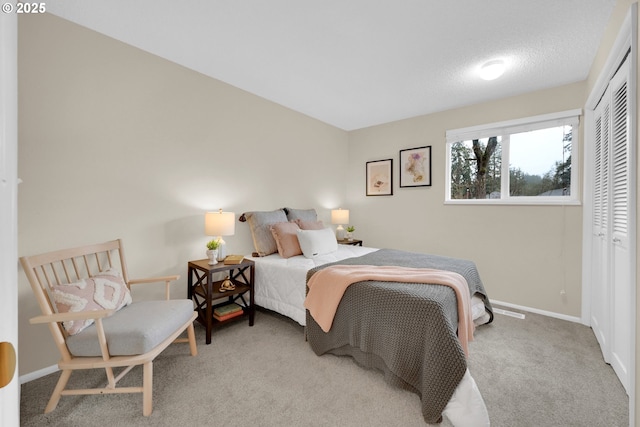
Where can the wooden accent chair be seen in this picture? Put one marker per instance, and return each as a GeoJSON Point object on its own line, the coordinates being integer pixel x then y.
{"type": "Point", "coordinates": [122, 335]}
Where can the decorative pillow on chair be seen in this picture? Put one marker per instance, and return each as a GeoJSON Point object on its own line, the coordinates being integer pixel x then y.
{"type": "Point", "coordinates": [317, 242]}
{"type": "Point", "coordinates": [310, 225]}
{"type": "Point", "coordinates": [286, 237]}
{"type": "Point", "coordinates": [303, 214]}
{"type": "Point", "coordinates": [104, 291]}
{"type": "Point", "coordinates": [260, 224]}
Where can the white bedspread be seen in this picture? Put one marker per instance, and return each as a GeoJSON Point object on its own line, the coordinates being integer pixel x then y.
{"type": "Point", "coordinates": [280, 282]}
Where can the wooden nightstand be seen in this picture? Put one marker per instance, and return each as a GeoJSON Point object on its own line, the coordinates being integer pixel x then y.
{"type": "Point", "coordinates": [206, 295]}
{"type": "Point", "coordinates": [354, 242]}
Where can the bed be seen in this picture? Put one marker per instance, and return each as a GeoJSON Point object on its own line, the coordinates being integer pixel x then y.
{"type": "Point", "coordinates": [280, 282]}
{"type": "Point", "coordinates": [447, 388]}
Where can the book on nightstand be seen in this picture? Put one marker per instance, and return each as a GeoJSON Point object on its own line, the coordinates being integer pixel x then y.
{"type": "Point", "coordinates": [228, 316]}
{"type": "Point", "coordinates": [223, 310]}
{"type": "Point", "coordinates": [233, 259]}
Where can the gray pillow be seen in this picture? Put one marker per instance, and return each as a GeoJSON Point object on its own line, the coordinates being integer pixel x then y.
{"type": "Point", "coordinates": [260, 223]}
{"type": "Point", "coordinates": [302, 214]}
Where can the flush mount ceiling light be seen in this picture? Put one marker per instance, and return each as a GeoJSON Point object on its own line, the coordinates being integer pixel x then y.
{"type": "Point", "coordinates": [492, 70]}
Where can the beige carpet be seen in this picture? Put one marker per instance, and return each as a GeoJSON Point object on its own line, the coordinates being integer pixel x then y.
{"type": "Point", "coordinates": [533, 372]}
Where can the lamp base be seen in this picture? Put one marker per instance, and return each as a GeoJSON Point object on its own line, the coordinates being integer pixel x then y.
{"type": "Point", "coordinates": [222, 249]}
{"type": "Point", "coordinates": [340, 233]}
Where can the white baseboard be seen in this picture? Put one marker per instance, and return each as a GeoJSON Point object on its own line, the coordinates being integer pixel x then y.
{"type": "Point", "coordinates": [537, 311]}
{"type": "Point", "coordinates": [38, 374]}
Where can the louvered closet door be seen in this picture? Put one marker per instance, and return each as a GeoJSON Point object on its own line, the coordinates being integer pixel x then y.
{"type": "Point", "coordinates": [600, 294]}
{"type": "Point", "coordinates": [619, 215]}
{"type": "Point", "coordinates": [611, 263]}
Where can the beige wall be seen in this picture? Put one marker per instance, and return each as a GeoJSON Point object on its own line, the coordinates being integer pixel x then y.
{"type": "Point", "coordinates": [115, 142]}
{"type": "Point", "coordinates": [525, 254]}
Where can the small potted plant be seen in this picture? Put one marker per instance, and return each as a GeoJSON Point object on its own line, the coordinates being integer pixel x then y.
{"type": "Point", "coordinates": [212, 251]}
{"type": "Point", "coordinates": [350, 230]}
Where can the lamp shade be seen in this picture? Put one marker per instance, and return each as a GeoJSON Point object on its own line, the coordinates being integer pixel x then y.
{"type": "Point", "coordinates": [219, 223]}
{"type": "Point", "coordinates": [340, 216]}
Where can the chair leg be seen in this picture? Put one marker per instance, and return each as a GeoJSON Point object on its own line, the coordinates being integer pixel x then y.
{"type": "Point", "coordinates": [147, 389]}
{"type": "Point", "coordinates": [57, 391]}
{"type": "Point", "coordinates": [191, 333]}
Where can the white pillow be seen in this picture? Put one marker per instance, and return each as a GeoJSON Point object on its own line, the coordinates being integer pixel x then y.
{"type": "Point", "coordinates": [317, 242]}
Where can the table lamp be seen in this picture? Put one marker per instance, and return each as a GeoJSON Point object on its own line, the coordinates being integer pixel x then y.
{"type": "Point", "coordinates": [220, 224]}
{"type": "Point", "coordinates": [340, 217]}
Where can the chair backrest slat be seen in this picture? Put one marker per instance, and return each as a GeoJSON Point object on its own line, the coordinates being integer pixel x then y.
{"type": "Point", "coordinates": [41, 270]}
{"type": "Point", "coordinates": [55, 273]}
{"type": "Point", "coordinates": [86, 264]}
{"type": "Point", "coordinates": [66, 272]}
{"type": "Point", "coordinates": [109, 259]}
{"type": "Point", "coordinates": [98, 261]}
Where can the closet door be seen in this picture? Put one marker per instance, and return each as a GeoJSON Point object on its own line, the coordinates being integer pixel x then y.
{"type": "Point", "coordinates": [611, 263]}
{"type": "Point", "coordinates": [601, 291]}
{"type": "Point", "coordinates": [620, 196]}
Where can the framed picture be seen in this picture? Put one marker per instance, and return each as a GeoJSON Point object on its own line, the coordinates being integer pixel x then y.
{"type": "Point", "coordinates": [415, 167]}
{"type": "Point", "coordinates": [380, 178]}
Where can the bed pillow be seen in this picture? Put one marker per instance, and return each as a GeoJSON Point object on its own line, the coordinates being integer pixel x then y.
{"type": "Point", "coordinates": [260, 223]}
{"type": "Point", "coordinates": [317, 242]}
{"type": "Point", "coordinates": [309, 225]}
{"type": "Point", "coordinates": [303, 214]}
{"type": "Point", "coordinates": [104, 291]}
{"type": "Point", "coordinates": [286, 237]}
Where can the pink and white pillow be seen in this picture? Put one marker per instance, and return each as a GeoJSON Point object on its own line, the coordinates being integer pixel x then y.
{"type": "Point", "coordinates": [105, 290]}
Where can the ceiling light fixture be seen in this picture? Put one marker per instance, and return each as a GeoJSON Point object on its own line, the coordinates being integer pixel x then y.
{"type": "Point", "coordinates": [492, 70]}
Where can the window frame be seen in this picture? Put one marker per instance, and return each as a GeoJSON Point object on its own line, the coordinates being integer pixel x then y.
{"type": "Point", "coordinates": [507, 128]}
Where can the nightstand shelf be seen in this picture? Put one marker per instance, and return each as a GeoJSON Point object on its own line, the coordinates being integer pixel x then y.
{"type": "Point", "coordinates": [206, 295]}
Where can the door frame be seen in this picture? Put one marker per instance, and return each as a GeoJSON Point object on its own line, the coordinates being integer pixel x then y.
{"type": "Point", "coordinates": [10, 394]}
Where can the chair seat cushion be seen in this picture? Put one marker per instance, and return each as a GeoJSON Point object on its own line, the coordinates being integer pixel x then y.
{"type": "Point", "coordinates": [135, 329]}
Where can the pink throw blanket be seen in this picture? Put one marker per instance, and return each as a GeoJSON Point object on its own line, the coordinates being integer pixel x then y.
{"type": "Point", "coordinates": [327, 286]}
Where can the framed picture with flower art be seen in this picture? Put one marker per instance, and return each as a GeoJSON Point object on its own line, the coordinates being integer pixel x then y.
{"type": "Point", "coordinates": [380, 178]}
{"type": "Point", "coordinates": [415, 167]}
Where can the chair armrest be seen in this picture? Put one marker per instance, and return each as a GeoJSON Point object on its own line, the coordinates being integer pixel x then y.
{"type": "Point", "coordinates": [166, 279]}
{"type": "Point", "coordinates": [154, 279]}
{"type": "Point", "coordinates": [78, 315]}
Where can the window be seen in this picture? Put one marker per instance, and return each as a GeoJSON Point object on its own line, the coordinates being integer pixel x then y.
{"type": "Point", "coordinates": [525, 161]}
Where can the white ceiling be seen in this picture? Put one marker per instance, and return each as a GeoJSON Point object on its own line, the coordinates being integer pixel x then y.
{"type": "Point", "coordinates": [358, 63]}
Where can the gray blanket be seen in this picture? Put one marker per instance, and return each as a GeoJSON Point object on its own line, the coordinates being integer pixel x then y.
{"type": "Point", "coordinates": [406, 330]}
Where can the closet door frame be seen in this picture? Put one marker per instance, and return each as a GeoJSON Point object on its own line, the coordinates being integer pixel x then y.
{"type": "Point", "coordinates": [625, 42]}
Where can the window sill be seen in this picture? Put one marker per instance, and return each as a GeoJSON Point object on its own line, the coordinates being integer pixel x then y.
{"type": "Point", "coordinates": [533, 201]}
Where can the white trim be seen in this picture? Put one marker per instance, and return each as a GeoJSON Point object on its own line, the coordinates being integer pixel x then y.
{"type": "Point", "coordinates": [514, 126]}
{"type": "Point", "coordinates": [633, 203]}
{"type": "Point", "coordinates": [617, 52]}
{"type": "Point", "coordinates": [9, 324]}
{"type": "Point", "coordinates": [538, 311]}
{"type": "Point", "coordinates": [587, 217]}
{"type": "Point", "coordinates": [38, 374]}
{"type": "Point", "coordinates": [521, 200]}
